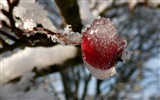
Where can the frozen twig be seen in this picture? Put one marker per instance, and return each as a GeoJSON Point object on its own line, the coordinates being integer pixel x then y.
{"type": "Point", "coordinates": [62, 37]}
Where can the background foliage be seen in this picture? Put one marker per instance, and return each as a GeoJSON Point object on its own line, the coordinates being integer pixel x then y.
{"type": "Point", "coordinates": [137, 22]}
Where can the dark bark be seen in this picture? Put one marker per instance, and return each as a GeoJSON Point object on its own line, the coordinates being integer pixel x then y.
{"type": "Point", "coordinates": [70, 13]}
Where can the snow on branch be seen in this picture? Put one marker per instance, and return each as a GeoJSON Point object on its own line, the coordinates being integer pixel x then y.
{"type": "Point", "coordinates": [40, 57]}
{"type": "Point", "coordinates": [66, 36]}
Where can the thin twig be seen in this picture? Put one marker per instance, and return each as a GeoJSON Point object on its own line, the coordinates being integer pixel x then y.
{"type": "Point", "coordinates": [3, 42]}
{"type": "Point", "coordinates": [8, 35]}
{"type": "Point", "coordinates": [60, 36]}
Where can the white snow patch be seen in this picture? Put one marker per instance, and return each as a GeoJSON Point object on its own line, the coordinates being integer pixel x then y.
{"type": "Point", "coordinates": [85, 12]}
{"type": "Point", "coordinates": [29, 24]}
{"type": "Point", "coordinates": [25, 60]}
{"type": "Point", "coordinates": [32, 10]}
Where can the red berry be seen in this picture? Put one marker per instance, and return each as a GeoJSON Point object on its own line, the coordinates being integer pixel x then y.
{"type": "Point", "coordinates": [101, 46]}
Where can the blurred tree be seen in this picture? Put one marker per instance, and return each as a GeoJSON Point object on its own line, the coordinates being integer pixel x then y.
{"type": "Point", "coordinates": [138, 23]}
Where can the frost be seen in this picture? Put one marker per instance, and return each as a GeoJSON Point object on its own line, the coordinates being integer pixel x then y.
{"type": "Point", "coordinates": [28, 15]}
{"type": "Point", "coordinates": [67, 29]}
{"type": "Point", "coordinates": [71, 37]}
{"type": "Point", "coordinates": [126, 55]}
{"type": "Point", "coordinates": [68, 36]}
{"type": "Point", "coordinates": [54, 38]}
{"type": "Point", "coordinates": [101, 74]}
{"type": "Point", "coordinates": [31, 11]}
{"type": "Point", "coordinates": [74, 38]}
{"type": "Point", "coordinates": [101, 46]}
{"type": "Point", "coordinates": [28, 24]}
{"type": "Point", "coordinates": [102, 28]}
{"type": "Point", "coordinates": [92, 32]}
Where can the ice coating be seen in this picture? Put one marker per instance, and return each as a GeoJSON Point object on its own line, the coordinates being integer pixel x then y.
{"type": "Point", "coordinates": [72, 37]}
{"type": "Point", "coordinates": [101, 45]}
{"type": "Point", "coordinates": [101, 74]}
{"type": "Point", "coordinates": [64, 37]}
{"type": "Point", "coordinates": [126, 55]}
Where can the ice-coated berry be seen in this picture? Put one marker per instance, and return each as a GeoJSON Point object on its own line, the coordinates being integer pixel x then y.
{"type": "Point", "coordinates": [101, 47]}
